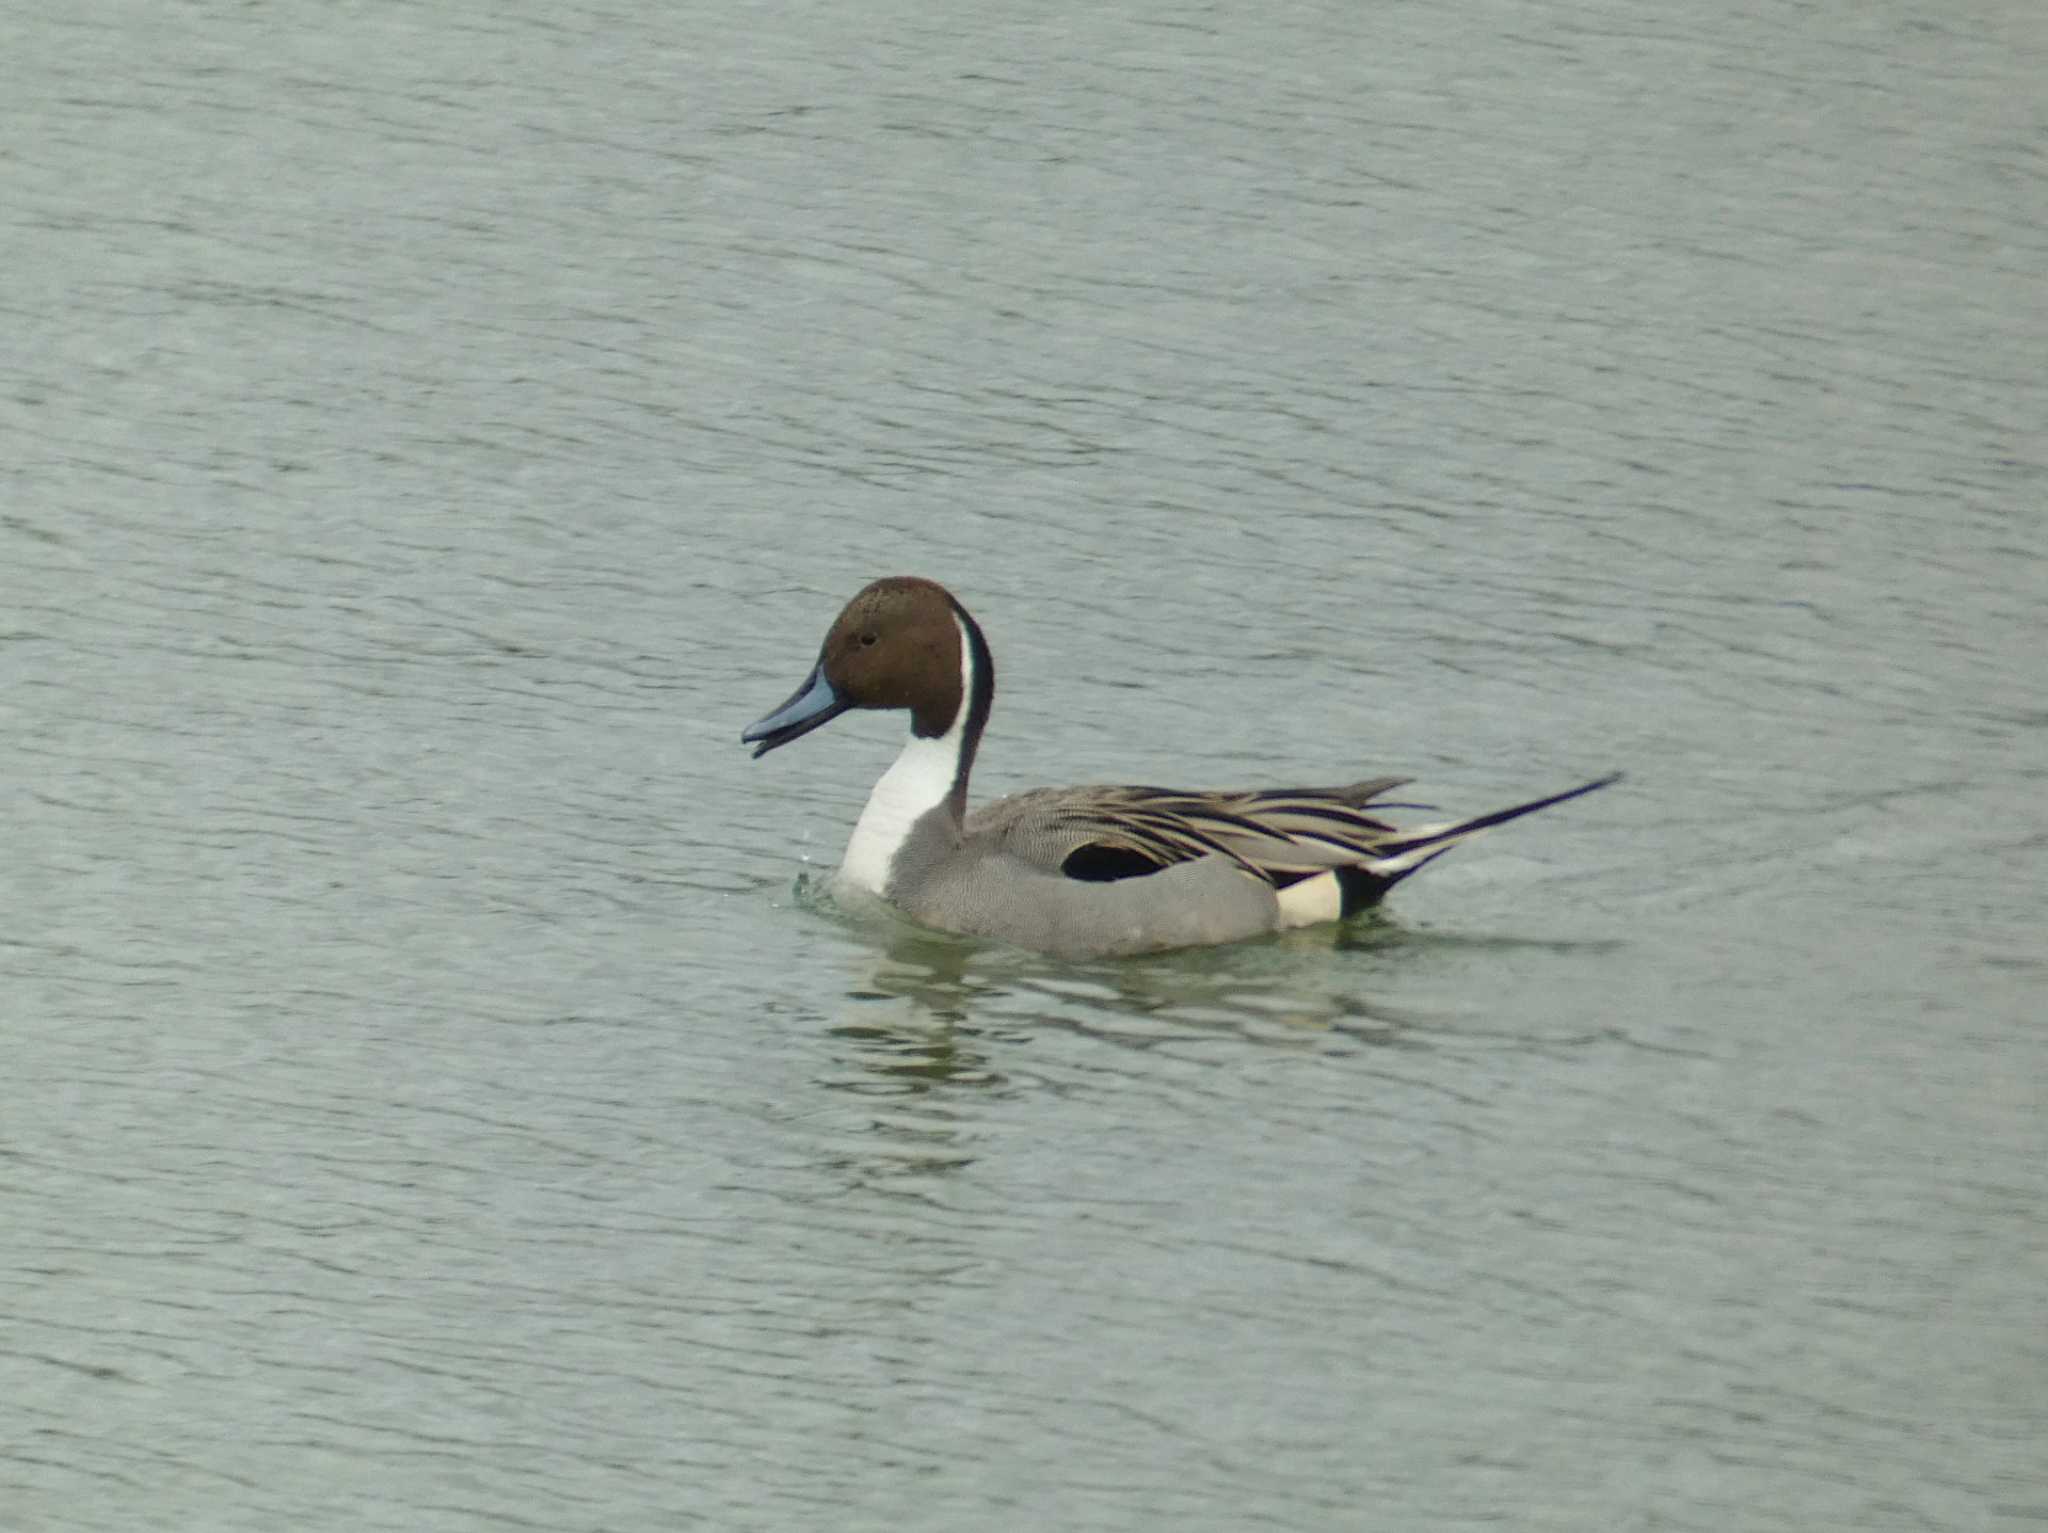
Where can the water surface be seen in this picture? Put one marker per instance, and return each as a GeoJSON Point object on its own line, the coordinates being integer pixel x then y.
{"type": "Point", "coordinates": [433, 1100]}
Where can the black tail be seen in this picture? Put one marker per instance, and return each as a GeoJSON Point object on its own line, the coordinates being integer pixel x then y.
{"type": "Point", "coordinates": [1366, 883]}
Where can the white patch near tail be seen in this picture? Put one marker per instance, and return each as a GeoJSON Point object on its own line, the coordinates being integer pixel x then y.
{"type": "Point", "coordinates": [1410, 860]}
{"type": "Point", "coordinates": [916, 784]}
{"type": "Point", "coordinates": [1321, 898]}
{"type": "Point", "coordinates": [1310, 901]}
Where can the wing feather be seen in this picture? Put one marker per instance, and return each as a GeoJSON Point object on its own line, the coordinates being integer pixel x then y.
{"type": "Point", "coordinates": [1280, 835]}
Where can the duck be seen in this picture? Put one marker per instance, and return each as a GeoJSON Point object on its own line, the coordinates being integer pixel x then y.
{"type": "Point", "coordinates": [1081, 872]}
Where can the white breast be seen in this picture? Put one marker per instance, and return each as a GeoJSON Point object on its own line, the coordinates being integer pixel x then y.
{"type": "Point", "coordinates": [918, 783]}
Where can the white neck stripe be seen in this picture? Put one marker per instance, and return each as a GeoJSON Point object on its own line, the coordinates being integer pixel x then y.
{"type": "Point", "coordinates": [919, 782]}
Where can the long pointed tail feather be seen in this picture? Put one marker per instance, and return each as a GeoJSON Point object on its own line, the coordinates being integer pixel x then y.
{"type": "Point", "coordinates": [1364, 883]}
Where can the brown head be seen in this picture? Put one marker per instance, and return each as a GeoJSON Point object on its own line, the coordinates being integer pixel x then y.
{"type": "Point", "coordinates": [900, 643]}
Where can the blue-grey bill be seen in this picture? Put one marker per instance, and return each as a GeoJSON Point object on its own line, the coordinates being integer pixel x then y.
{"type": "Point", "coordinates": [814, 703]}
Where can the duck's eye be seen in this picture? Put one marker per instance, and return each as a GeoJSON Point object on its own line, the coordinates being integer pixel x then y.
{"type": "Point", "coordinates": [867, 641]}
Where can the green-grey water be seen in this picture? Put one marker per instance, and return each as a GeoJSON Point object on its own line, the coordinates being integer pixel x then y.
{"type": "Point", "coordinates": [435, 1096]}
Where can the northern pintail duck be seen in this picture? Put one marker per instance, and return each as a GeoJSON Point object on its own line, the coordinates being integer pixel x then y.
{"type": "Point", "coordinates": [1080, 872]}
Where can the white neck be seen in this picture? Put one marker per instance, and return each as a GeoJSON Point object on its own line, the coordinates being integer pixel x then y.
{"type": "Point", "coordinates": [919, 782]}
